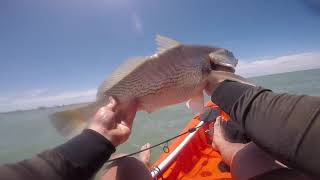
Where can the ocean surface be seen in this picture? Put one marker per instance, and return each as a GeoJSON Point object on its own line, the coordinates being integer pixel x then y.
{"type": "Point", "coordinates": [23, 134]}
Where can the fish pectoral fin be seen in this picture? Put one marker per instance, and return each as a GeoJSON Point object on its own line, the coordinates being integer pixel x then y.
{"type": "Point", "coordinates": [165, 43]}
{"type": "Point", "coordinates": [196, 103]}
{"type": "Point", "coordinates": [223, 75]}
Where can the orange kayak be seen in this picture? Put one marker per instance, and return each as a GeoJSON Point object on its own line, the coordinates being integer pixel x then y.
{"type": "Point", "coordinates": [191, 156]}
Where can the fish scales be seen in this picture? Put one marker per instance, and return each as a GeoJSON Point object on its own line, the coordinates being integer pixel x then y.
{"type": "Point", "coordinates": [161, 76]}
{"type": "Point", "coordinates": [174, 74]}
{"type": "Point", "coordinates": [152, 76]}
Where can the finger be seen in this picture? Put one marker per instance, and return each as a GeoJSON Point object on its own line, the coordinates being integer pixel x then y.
{"type": "Point", "coordinates": [122, 132]}
{"type": "Point", "coordinates": [112, 104]}
{"type": "Point", "coordinates": [216, 132]}
{"type": "Point", "coordinates": [214, 146]}
{"type": "Point", "coordinates": [131, 116]}
{"type": "Point", "coordinates": [128, 119]}
{"type": "Point", "coordinates": [102, 111]}
{"type": "Point", "coordinates": [129, 113]}
{"type": "Point", "coordinates": [217, 127]}
{"type": "Point", "coordinates": [218, 121]}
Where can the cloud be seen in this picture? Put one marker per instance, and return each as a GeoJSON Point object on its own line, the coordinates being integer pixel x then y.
{"type": "Point", "coordinates": [36, 92]}
{"type": "Point", "coordinates": [294, 62]}
{"type": "Point", "coordinates": [137, 24]}
{"type": "Point", "coordinates": [41, 97]}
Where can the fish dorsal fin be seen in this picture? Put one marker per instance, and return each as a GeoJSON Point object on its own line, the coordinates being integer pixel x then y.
{"type": "Point", "coordinates": [121, 72]}
{"type": "Point", "coordinates": [165, 43]}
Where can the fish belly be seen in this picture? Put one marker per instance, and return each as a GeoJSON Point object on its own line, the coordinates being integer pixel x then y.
{"type": "Point", "coordinates": [156, 84]}
{"type": "Point", "coordinates": [182, 89]}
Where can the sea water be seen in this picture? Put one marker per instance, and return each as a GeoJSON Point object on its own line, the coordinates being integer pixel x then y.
{"type": "Point", "coordinates": [23, 134]}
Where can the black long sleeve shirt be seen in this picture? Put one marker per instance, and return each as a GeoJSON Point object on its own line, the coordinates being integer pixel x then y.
{"type": "Point", "coordinates": [286, 126]}
{"type": "Point", "coordinates": [79, 158]}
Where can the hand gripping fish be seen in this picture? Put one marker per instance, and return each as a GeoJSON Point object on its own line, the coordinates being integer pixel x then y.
{"type": "Point", "coordinates": [175, 73]}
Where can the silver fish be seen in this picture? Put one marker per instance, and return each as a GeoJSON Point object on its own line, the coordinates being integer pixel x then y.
{"type": "Point", "coordinates": [174, 74]}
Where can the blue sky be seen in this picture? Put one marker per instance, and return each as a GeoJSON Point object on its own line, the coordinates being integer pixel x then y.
{"type": "Point", "coordinates": [58, 52]}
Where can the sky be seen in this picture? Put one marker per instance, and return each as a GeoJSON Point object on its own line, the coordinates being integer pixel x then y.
{"type": "Point", "coordinates": [58, 52]}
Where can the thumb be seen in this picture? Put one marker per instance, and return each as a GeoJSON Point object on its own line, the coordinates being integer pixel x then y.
{"type": "Point", "coordinates": [218, 121]}
{"type": "Point", "coordinates": [112, 104]}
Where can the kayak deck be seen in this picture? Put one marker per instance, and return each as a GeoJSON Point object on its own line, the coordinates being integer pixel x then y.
{"type": "Point", "coordinates": [197, 160]}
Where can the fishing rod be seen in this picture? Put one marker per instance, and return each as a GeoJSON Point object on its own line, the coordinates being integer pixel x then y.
{"type": "Point", "coordinates": [208, 116]}
{"type": "Point", "coordinates": [165, 148]}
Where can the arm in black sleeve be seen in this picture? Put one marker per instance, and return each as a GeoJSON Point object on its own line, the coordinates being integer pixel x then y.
{"type": "Point", "coordinates": [287, 126]}
{"type": "Point", "coordinates": [79, 158]}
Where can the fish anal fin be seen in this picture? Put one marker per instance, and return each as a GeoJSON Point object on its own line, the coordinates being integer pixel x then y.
{"type": "Point", "coordinates": [196, 103]}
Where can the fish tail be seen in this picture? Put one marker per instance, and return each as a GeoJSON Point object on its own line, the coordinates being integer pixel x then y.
{"type": "Point", "coordinates": [70, 122]}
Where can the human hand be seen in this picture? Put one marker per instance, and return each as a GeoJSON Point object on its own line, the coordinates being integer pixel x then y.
{"type": "Point", "coordinates": [227, 149]}
{"type": "Point", "coordinates": [218, 76]}
{"type": "Point", "coordinates": [212, 83]}
{"type": "Point", "coordinates": [114, 123]}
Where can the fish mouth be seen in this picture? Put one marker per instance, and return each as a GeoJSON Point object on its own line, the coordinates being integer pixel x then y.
{"type": "Point", "coordinates": [222, 67]}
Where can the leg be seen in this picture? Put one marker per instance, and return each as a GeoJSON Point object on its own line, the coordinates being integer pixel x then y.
{"type": "Point", "coordinates": [245, 160]}
{"type": "Point", "coordinates": [251, 161]}
{"type": "Point", "coordinates": [130, 167]}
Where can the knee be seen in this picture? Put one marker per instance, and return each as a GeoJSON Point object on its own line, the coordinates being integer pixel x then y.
{"type": "Point", "coordinates": [127, 168]}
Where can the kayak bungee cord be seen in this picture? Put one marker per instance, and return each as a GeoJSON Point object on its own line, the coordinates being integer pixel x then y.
{"type": "Point", "coordinates": [165, 148]}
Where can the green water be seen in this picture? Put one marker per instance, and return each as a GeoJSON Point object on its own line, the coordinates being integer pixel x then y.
{"type": "Point", "coordinates": [23, 134]}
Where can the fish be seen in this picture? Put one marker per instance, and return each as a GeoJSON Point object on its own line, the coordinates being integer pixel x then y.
{"type": "Point", "coordinates": [175, 73]}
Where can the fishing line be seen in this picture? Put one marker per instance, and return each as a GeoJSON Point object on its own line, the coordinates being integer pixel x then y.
{"type": "Point", "coordinates": [191, 130]}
